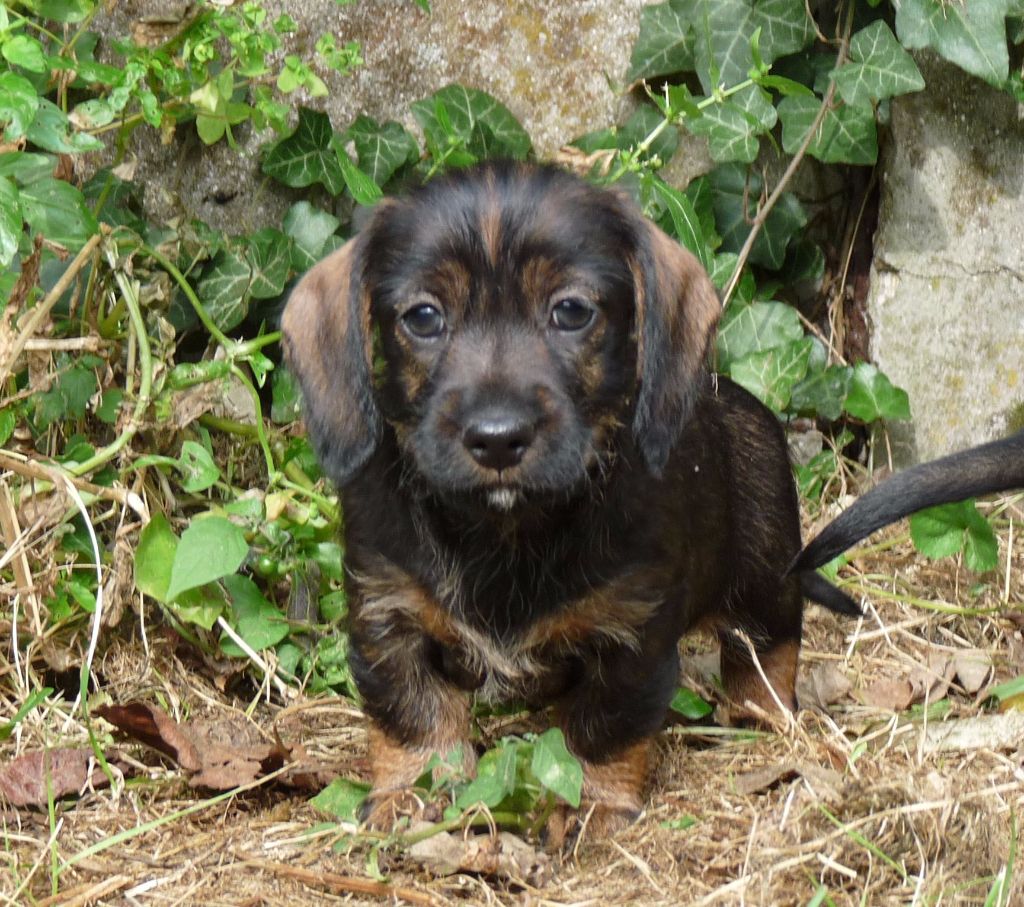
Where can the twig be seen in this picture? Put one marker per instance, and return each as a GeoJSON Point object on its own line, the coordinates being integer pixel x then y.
{"type": "Point", "coordinates": [319, 879]}
{"type": "Point", "coordinates": [40, 311]}
{"type": "Point", "coordinates": [762, 215]}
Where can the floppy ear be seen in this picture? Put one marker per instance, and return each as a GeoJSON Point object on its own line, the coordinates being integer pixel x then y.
{"type": "Point", "coordinates": [676, 310]}
{"type": "Point", "coordinates": [328, 346]}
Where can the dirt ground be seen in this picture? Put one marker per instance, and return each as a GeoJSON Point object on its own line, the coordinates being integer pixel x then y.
{"type": "Point", "coordinates": [877, 793]}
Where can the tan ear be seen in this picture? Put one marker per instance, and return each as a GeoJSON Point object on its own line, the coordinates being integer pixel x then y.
{"type": "Point", "coordinates": [677, 310]}
{"type": "Point", "coordinates": [327, 344]}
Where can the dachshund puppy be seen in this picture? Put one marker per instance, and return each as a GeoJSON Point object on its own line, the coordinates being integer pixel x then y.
{"type": "Point", "coordinates": [542, 487]}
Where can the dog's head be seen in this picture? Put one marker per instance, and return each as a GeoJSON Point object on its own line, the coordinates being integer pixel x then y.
{"type": "Point", "coordinates": [510, 323]}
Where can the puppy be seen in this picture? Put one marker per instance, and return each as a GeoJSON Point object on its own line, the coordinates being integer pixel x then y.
{"type": "Point", "coordinates": [542, 487]}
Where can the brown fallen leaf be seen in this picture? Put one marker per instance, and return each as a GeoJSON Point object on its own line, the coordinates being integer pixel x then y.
{"type": "Point", "coordinates": [218, 755]}
{"type": "Point", "coordinates": [931, 682]}
{"type": "Point", "coordinates": [825, 685]}
{"type": "Point", "coordinates": [65, 771]}
{"type": "Point", "coordinates": [973, 667]}
{"type": "Point", "coordinates": [891, 693]}
{"type": "Point", "coordinates": [503, 855]}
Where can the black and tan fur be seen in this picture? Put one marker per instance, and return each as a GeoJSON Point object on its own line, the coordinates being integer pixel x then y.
{"type": "Point", "coordinates": [533, 510]}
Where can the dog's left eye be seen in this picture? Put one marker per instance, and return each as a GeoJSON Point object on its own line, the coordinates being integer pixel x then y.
{"type": "Point", "coordinates": [424, 321]}
{"type": "Point", "coordinates": [571, 314]}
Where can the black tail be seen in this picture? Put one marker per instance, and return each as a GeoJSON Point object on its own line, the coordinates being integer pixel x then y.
{"type": "Point", "coordinates": [818, 589]}
{"type": "Point", "coordinates": [997, 466]}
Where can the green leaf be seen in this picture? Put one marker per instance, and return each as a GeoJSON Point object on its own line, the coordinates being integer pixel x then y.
{"type": "Point", "coordinates": [733, 188]}
{"type": "Point", "coordinates": [68, 398]}
{"type": "Point", "coordinates": [256, 620]}
{"type": "Point", "coordinates": [756, 328]}
{"type": "Point", "coordinates": [51, 131]}
{"type": "Point", "coordinates": [880, 68]}
{"type": "Point", "coordinates": [972, 35]}
{"type": "Point", "coordinates": [690, 705]}
{"type": "Point", "coordinates": [496, 778]}
{"type": "Point", "coordinates": [950, 528]}
{"type": "Point", "coordinates": [823, 392]}
{"type": "Point", "coordinates": [224, 289]}
{"type": "Point", "coordinates": [18, 105]}
{"type": "Point", "coordinates": [641, 123]}
{"type": "Point", "coordinates": [24, 167]}
{"type": "Point", "coordinates": [198, 471]}
{"type": "Point", "coordinates": [665, 43]}
{"type": "Point", "coordinates": [872, 396]}
{"type": "Point", "coordinates": [211, 548]}
{"type": "Point", "coordinates": [382, 149]}
{"type": "Point", "coordinates": [726, 28]}
{"type": "Point", "coordinates": [306, 156]}
{"type": "Point", "coordinates": [26, 52]}
{"type": "Point", "coordinates": [483, 123]}
{"type": "Point", "coordinates": [847, 135]}
{"type": "Point", "coordinates": [57, 210]}
{"type": "Point", "coordinates": [154, 558]}
{"type": "Point", "coordinates": [110, 405]}
{"type": "Point", "coordinates": [269, 255]}
{"type": "Point", "coordinates": [341, 799]}
{"type": "Point", "coordinates": [686, 225]}
{"type": "Point", "coordinates": [556, 768]}
{"type": "Point", "coordinates": [8, 422]}
{"type": "Point", "coordinates": [309, 229]}
{"type": "Point", "coordinates": [770, 376]}
{"type": "Point", "coordinates": [200, 606]}
{"type": "Point", "coordinates": [286, 397]}
{"type": "Point", "coordinates": [733, 126]}
{"type": "Point", "coordinates": [62, 10]}
{"type": "Point", "coordinates": [363, 189]}
{"type": "Point", "coordinates": [10, 221]}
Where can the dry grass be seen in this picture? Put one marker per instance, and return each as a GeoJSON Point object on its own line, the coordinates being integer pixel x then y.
{"type": "Point", "coordinates": [849, 800]}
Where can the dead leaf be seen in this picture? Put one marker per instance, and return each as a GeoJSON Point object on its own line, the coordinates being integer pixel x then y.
{"type": "Point", "coordinates": [65, 771]}
{"type": "Point", "coordinates": [763, 779]}
{"type": "Point", "coordinates": [931, 683]}
{"type": "Point", "coordinates": [891, 693]}
{"type": "Point", "coordinates": [825, 685]}
{"type": "Point", "coordinates": [973, 667]}
{"type": "Point", "coordinates": [219, 755]}
{"type": "Point", "coordinates": [503, 855]}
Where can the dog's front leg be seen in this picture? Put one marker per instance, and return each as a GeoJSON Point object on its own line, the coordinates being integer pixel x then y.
{"type": "Point", "coordinates": [416, 711]}
{"type": "Point", "coordinates": [609, 721]}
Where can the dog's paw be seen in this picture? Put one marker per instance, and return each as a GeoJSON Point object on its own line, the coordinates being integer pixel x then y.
{"type": "Point", "coordinates": [593, 821]}
{"type": "Point", "coordinates": [383, 810]}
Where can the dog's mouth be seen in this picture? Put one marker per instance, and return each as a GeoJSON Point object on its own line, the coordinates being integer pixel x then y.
{"type": "Point", "coordinates": [504, 498]}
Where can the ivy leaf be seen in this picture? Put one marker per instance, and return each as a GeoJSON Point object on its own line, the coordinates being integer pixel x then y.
{"type": "Point", "coordinates": [483, 123]}
{"type": "Point", "coordinates": [26, 52]}
{"type": "Point", "coordinates": [950, 528]}
{"type": "Point", "coordinates": [309, 229]}
{"type": "Point", "coordinates": [971, 35]}
{"type": "Point", "coordinates": [306, 155]}
{"type": "Point", "coordinates": [224, 289]}
{"type": "Point", "coordinates": [756, 328]}
{"type": "Point", "coordinates": [286, 397]}
{"type": "Point", "coordinates": [847, 135]}
{"type": "Point", "coordinates": [872, 396]}
{"type": "Point", "coordinates": [642, 122]}
{"type": "Point", "coordinates": [771, 376]}
{"type": "Point", "coordinates": [18, 105]}
{"type": "Point", "coordinates": [733, 127]}
{"type": "Point", "coordinates": [10, 221]}
{"type": "Point", "coordinates": [686, 224]}
{"type": "Point", "coordinates": [733, 189]}
{"type": "Point", "coordinates": [51, 131]}
{"type": "Point", "coordinates": [68, 398]}
{"type": "Point", "coordinates": [382, 149]}
{"type": "Point", "coordinates": [726, 28]}
{"type": "Point", "coordinates": [363, 189]}
{"type": "Point", "coordinates": [881, 68]}
{"type": "Point", "coordinates": [556, 768]}
{"type": "Point", "coordinates": [255, 619]}
{"type": "Point", "coordinates": [57, 210]}
{"type": "Point", "coordinates": [665, 43]}
{"type": "Point", "coordinates": [269, 255]}
{"type": "Point", "coordinates": [211, 548]}
{"type": "Point", "coordinates": [823, 393]}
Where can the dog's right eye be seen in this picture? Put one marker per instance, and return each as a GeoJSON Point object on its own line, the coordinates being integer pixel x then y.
{"type": "Point", "coordinates": [424, 321]}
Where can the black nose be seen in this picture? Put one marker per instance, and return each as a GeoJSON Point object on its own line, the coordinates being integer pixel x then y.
{"type": "Point", "coordinates": [498, 440]}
